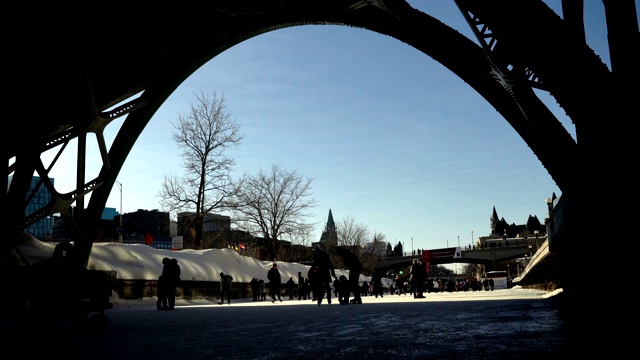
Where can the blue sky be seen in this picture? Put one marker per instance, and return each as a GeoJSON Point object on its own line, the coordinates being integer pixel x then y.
{"type": "Point", "coordinates": [390, 136]}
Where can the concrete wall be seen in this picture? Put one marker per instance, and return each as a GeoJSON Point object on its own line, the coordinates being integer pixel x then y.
{"type": "Point", "coordinates": [138, 289]}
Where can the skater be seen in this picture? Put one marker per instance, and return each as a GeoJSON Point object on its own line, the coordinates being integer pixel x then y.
{"type": "Point", "coordinates": [290, 285]}
{"type": "Point", "coordinates": [273, 275]}
{"type": "Point", "coordinates": [354, 265]}
{"type": "Point", "coordinates": [322, 277]}
{"type": "Point", "coordinates": [343, 287]}
{"type": "Point", "coordinates": [161, 304]}
{"type": "Point", "coordinates": [263, 290]}
{"type": "Point", "coordinates": [255, 289]}
{"type": "Point", "coordinates": [171, 274]}
{"type": "Point", "coordinates": [225, 288]}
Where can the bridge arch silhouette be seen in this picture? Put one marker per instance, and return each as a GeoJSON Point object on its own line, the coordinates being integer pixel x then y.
{"type": "Point", "coordinates": [524, 45]}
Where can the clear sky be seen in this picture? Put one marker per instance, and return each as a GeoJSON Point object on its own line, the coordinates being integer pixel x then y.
{"type": "Point", "coordinates": [391, 137]}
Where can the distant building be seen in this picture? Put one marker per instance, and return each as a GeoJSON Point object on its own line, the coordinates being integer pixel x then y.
{"type": "Point", "coordinates": [43, 229]}
{"type": "Point", "coordinates": [109, 213]}
{"type": "Point", "coordinates": [501, 230]}
{"type": "Point", "coordinates": [143, 224]}
{"type": "Point", "coordinates": [211, 222]}
{"type": "Point", "coordinates": [216, 230]}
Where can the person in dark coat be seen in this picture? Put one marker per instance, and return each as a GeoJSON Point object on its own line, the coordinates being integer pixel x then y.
{"type": "Point", "coordinates": [354, 265]}
{"type": "Point", "coordinates": [365, 288]}
{"type": "Point", "coordinates": [290, 285]}
{"type": "Point", "coordinates": [171, 274]}
{"type": "Point", "coordinates": [161, 303]}
{"type": "Point", "coordinates": [400, 285]}
{"type": "Point", "coordinates": [311, 274]}
{"type": "Point", "coordinates": [376, 279]}
{"type": "Point", "coordinates": [343, 287]}
{"type": "Point", "coordinates": [255, 289]}
{"type": "Point", "coordinates": [273, 275]}
{"type": "Point", "coordinates": [263, 290]}
{"type": "Point", "coordinates": [306, 289]}
{"type": "Point", "coordinates": [325, 272]}
{"type": "Point", "coordinates": [418, 278]}
{"type": "Point", "coordinates": [225, 287]}
{"type": "Point", "coordinates": [301, 293]}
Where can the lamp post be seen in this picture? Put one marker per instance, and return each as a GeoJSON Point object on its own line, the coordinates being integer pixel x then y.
{"type": "Point", "coordinates": [549, 202]}
{"type": "Point", "coordinates": [549, 221]}
{"type": "Point", "coordinates": [120, 228]}
{"type": "Point", "coordinates": [536, 232]}
{"type": "Point", "coordinates": [530, 253]}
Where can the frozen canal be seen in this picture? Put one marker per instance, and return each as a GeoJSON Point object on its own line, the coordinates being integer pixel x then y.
{"type": "Point", "coordinates": [503, 324]}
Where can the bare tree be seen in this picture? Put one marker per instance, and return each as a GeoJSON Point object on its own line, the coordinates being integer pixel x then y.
{"type": "Point", "coordinates": [204, 136]}
{"type": "Point", "coordinates": [352, 235]}
{"type": "Point", "coordinates": [374, 253]}
{"type": "Point", "coordinates": [472, 270]}
{"type": "Point", "coordinates": [275, 204]}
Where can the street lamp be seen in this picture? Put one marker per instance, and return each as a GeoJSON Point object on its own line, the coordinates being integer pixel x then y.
{"type": "Point", "coordinates": [549, 202]}
{"type": "Point", "coordinates": [536, 232]}
{"type": "Point", "coordinates": [530, 253]}
{"type": "Point", "coordinates": [120, 228]}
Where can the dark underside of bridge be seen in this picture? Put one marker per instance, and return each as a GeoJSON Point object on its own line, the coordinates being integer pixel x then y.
{"type": "Point", "coordinates": [75, 69]}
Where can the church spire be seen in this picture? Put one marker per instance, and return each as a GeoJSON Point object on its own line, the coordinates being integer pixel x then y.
{"type": "Point", "coordinates": [331, 225]}
{"type": "Point", "coordinates": [329, 236]}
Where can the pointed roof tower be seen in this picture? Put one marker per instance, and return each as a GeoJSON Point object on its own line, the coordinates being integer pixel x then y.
{"type": "Point", "coordinates": [331, 225]}
{"type": "Point", "coordinates": [329, 236]}
{"type": "Point", "coordinates": [493, 222]}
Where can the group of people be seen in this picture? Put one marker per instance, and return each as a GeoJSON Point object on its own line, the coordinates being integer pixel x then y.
{"type": "Point", "coordinates": [259, 289]}
{"type": "Point", "coordinates": [315, 286]}
{"type": "Point", "coordinates": [167, 284]}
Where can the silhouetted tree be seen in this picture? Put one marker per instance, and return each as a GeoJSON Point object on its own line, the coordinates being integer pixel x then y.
{"type": "Point", "coordinates": [352, 235]}
{"type": "Point", "coordinates": [274, 204]}
{"type": "Point", "coordinates": [374, 253]}
{"type": "Point", "coordinates": [203, 135]}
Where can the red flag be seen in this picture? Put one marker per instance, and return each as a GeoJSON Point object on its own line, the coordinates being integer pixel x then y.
{"type": "Point", "coordinates": [148, 239]}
